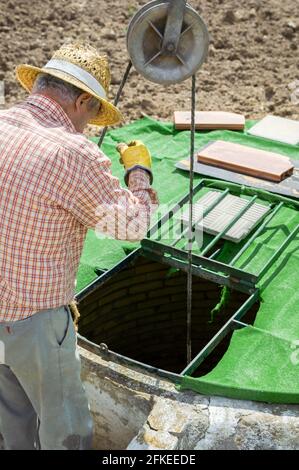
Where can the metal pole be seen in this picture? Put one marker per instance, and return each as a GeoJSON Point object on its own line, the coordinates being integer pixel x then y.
{"type": "Point", "coordinates": [191, 228]}
{"type": "Point", "coordinates": [116, 100]}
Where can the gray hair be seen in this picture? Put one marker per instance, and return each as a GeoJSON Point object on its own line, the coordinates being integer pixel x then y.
{"type": "Point", "coordinates": [65, 91]}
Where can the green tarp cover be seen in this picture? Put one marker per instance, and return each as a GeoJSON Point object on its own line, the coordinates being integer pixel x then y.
{"type": "Point", "coordinates": [262, 361]}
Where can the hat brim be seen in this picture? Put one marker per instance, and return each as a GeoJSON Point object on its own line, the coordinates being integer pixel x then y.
{"type": "Point", "coordinates": [108, 114]}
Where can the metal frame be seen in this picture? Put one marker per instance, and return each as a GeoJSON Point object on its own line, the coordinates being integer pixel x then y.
{"type": "Point", "coordinates": [204, 265]}
{"type": "Point", "coordinates": [112, 356]}
{"type": "Point", "coordinates": [207, 267]}
{"type": "Point", "coordinates": [232, 324]}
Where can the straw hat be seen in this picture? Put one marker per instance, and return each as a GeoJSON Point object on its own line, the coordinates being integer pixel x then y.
{"type": "Point", "coordinates": [82, 66]}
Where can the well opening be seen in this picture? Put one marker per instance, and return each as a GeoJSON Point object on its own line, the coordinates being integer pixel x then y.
{"type": "Point", "coordinates": [141, 313]}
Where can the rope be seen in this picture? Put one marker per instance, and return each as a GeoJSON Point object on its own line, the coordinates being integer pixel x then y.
{"type": "Point", "coordinates": [116, 100]}
{"type": "Point", "coordinates": [75, 314]}
{"type": "Point", "coordinates": [190, 228]}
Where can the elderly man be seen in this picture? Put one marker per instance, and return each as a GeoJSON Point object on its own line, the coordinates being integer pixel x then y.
{"type": "Point", "coordinates": [54, 185]}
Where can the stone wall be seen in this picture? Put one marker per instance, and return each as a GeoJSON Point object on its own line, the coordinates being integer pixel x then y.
{"type": "Point", "coordinates": [134, 408]}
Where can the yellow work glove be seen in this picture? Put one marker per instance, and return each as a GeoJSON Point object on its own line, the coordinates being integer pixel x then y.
{"type": "Point", "coordinates": [135, 155]}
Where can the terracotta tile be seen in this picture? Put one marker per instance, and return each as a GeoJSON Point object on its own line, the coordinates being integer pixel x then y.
{"type": "Point", "coordinates": [247, 160]}
{"type": "Point", "coordinates": [209, 120]}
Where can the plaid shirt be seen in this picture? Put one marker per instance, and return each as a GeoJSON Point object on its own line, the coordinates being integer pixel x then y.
{"type": "Point", "coordinates": [54, 185]}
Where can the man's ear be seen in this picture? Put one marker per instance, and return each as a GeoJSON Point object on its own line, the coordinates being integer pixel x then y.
{"type": "Point", "coordinates": [82, 101]}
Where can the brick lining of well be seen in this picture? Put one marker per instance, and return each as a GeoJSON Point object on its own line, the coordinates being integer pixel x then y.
{"type": "Point", "coordinates": [141, 313]}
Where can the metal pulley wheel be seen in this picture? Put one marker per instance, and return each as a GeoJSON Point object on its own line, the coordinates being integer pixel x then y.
{"type": "Point", "coordinates": [167, 41]}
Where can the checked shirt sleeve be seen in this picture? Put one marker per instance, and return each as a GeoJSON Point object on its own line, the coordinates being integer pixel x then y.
{"type": "Point", "coordinates": [103, 205]}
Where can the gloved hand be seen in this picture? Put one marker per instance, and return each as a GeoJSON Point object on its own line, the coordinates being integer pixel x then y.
{"type": "Point", "coordinates": [135, 155]}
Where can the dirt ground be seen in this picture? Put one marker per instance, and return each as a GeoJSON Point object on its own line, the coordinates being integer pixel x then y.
{"type": "Point", "coordinates": [253, 55]}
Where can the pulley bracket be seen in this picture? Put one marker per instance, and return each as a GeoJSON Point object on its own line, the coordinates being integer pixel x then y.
{"type": "Point", "coordinates": [167, 41]}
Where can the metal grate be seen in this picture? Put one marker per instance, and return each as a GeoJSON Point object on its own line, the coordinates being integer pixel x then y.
{"type": "Point", "coordinates": [205, 264]}
{"type": "Point", "coordinates": [224, 213]}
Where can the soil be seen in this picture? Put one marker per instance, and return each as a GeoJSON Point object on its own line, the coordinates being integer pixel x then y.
{"type": "Point", "coordinates": [253, 58]}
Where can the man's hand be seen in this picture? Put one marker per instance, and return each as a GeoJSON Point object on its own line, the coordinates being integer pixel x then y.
{"type": "Point", "coordinates": [135, 155]}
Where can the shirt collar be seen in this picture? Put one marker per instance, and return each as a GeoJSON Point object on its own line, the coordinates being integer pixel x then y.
{"type": "Point", "coordinates": [52, 109]}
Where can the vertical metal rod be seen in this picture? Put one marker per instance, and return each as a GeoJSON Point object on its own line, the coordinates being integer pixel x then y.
{"type": "Point", "coordinates": [173, 27]}
{"type": "Point", "coordinates": [116, 100]}
{"type": "Point", "coordinates": [190, 235]}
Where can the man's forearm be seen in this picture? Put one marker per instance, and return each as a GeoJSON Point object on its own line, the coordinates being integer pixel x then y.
{"type": "Point", "coordinates": [139, 185]}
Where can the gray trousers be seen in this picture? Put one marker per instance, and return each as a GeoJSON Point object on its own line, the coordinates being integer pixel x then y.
{"type": "Point", "coordinates": [42, 400]}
